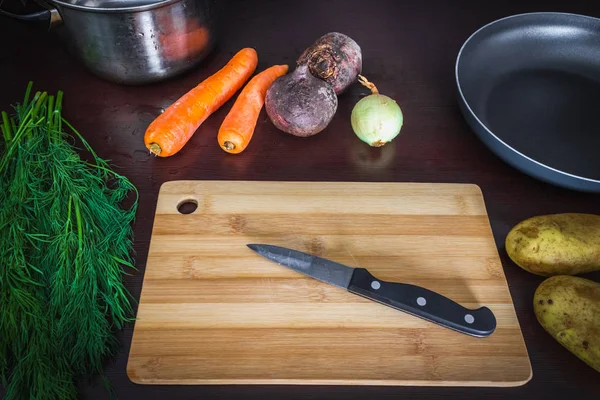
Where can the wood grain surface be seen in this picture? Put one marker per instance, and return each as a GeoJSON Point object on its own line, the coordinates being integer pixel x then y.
{"type": "Point", "coordinates": [212, 311]}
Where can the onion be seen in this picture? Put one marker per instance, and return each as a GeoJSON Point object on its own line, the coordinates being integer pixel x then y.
{"type": "Point", "coordinates": [376, 119]}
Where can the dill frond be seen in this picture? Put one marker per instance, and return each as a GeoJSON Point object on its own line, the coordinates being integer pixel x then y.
{"type": "Point", "coordinates": [66, 243]}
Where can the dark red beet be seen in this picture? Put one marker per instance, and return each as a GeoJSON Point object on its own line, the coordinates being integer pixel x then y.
{"type": "Point", "coordinates": [300, 104]}
{"type": "Point", "coordinates": [335, 58]}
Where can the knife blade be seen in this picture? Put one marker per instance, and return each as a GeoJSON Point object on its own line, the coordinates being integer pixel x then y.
{"type": "Point", "coordinates": [414, 300]}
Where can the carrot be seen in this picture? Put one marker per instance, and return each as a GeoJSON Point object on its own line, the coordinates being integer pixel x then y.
{"type": "Point", "coordinates": [238, 126]}
{"type": "Point", "coordinates": [171, 130]}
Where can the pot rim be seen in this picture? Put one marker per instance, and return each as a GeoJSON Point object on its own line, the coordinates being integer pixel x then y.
{"type": "Point", "coordinates": [144, 7]}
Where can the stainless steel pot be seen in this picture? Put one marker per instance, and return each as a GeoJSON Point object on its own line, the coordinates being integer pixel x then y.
{"type": "Point", "coordinates": [134, 41]}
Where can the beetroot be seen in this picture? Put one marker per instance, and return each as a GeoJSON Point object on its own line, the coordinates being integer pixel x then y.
{"type": "Point", "coordinates": [335, 58]}
{"type": "Point", "coordinates": [300, 104]}
{"type": "Point", "coordinates": [304, 102]}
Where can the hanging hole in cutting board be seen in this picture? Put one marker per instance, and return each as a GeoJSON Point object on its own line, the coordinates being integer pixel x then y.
{"type": "Point", "coordinates": [187, 206]}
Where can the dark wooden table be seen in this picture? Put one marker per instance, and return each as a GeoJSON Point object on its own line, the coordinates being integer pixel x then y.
{"type": "Point", "coordinates": [409, 50]}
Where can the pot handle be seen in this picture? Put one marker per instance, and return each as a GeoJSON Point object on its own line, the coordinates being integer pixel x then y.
{"type": "Point", "coordinates": [50, 14]}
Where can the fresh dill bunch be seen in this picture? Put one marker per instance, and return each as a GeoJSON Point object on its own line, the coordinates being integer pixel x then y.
{"type": "Point", "coordinates": [66, 243]}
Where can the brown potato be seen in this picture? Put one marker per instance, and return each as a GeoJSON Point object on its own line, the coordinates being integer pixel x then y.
{"type": "Point", "coordinates": [557, 244]}
{"type": "Point", "coordinates": [568, 308]}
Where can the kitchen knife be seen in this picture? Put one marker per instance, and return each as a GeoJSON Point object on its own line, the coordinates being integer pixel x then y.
{"type": "Point", "coordinates": [411, 299]}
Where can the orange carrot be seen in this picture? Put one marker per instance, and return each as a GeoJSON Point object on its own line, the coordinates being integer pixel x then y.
{"type": "Point", "coordinates": [171, 130]}
{"type": "Point", "coordinates": [238, 126]}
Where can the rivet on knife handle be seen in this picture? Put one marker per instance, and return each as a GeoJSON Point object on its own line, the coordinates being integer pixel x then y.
{"type": "Point", "coordinates": [423, 303]}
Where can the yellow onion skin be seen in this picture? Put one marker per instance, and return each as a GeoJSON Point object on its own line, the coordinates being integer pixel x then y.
{"type": "Point", "coordinates": [376, 119]}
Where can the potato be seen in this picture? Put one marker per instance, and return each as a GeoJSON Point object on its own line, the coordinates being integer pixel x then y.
{"type": "Point", "coordinates": [557, 244]}
{"type": "Point", "coordinates": [568, 307]}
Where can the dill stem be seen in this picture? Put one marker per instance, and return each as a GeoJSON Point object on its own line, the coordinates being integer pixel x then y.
{"type": "Point", "coordinates": [57, 111]}
{"type": "Point", "coordinates": [6, 128]}
{"type": "Point", "coordinates": [68, 224]}
{"type": "Point", "coordinates": [27, 93]}
{"type": "Point", "coordinates": [12, 124]}
{"type": "Point", "coordinates": [77, 260]}
{"type": "Point", "coordinates": [53, 133]}
{"type": "Point", "coordinates": [38, 104]}
{"type": "Point", "coordinates": [79, 224]}
{"type": "Point", "coordinates": [36, 109]}
{"type": "Point", "coordinates": [50, 111]}
{"type": "Point", "coordinates": [24, 123]}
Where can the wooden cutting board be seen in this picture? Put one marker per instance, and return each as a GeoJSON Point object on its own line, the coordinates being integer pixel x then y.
{"type": "Point", "coordinates": [213, 312]}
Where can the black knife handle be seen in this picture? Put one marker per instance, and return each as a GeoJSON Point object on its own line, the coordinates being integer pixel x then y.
{"type": "Point", "coordinates": [423, 303]}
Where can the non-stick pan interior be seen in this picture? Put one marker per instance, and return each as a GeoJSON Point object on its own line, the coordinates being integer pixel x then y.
{"type": "Point", "coordinates": [533, 81]}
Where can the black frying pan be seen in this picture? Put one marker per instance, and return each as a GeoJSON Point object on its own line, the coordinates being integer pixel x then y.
{"type": "Point", "coordinates": [529, 86]}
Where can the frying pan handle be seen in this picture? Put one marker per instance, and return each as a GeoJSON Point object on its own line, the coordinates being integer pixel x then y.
{"type": "Point", "coordinates": [50, 14]}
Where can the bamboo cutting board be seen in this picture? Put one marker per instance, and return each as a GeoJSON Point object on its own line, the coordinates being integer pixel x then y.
{"type": "Point", "coordinates": [214, 312]}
